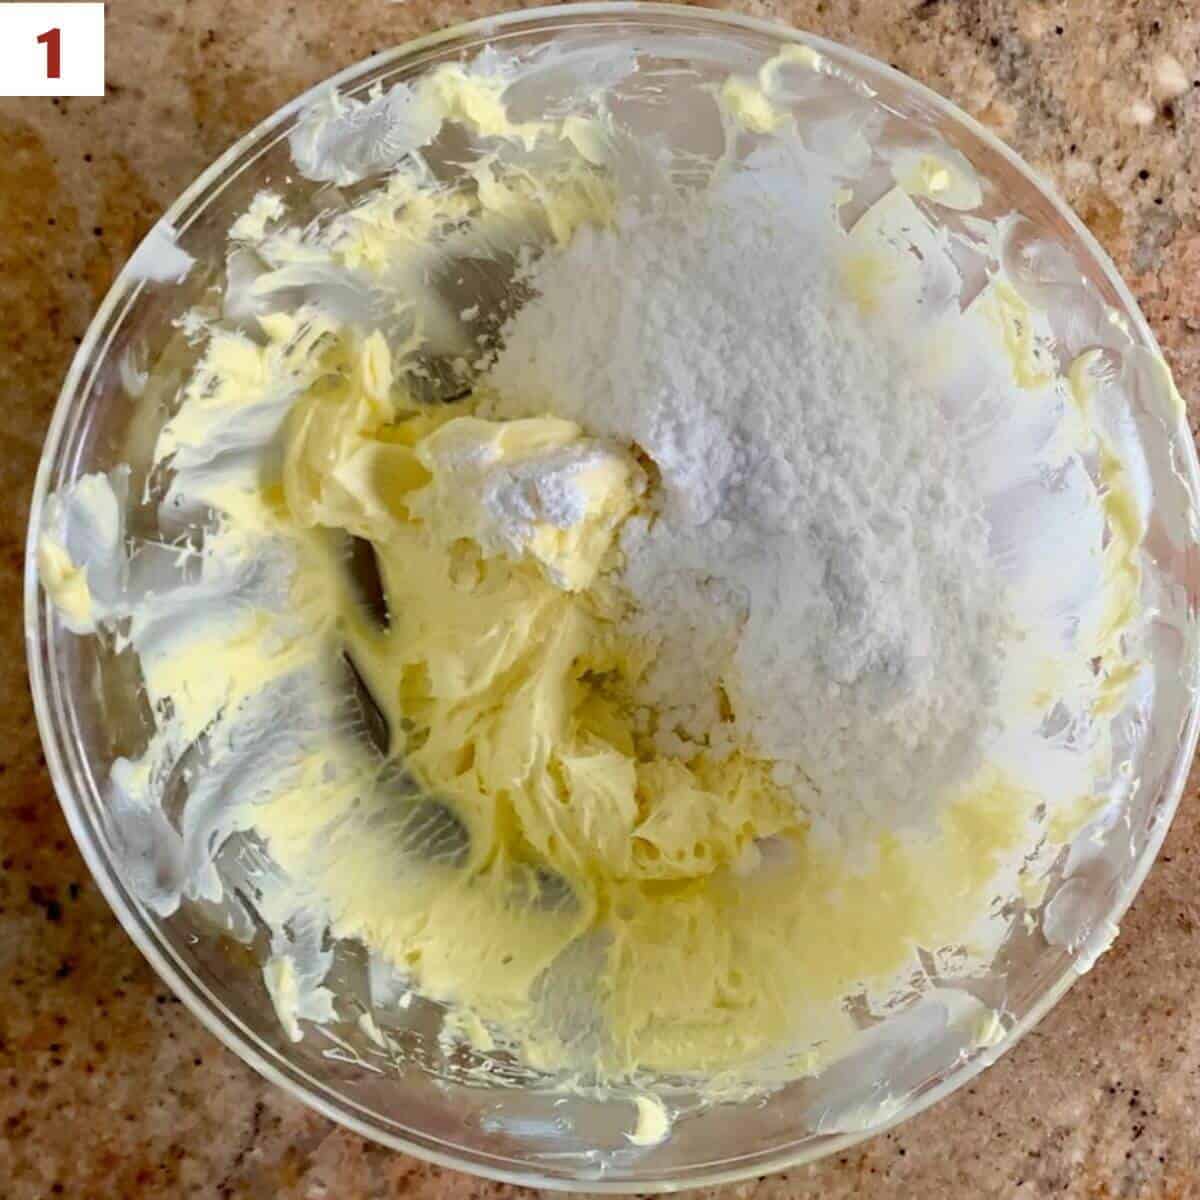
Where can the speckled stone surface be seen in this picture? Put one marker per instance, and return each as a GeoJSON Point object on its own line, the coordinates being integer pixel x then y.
{"type": "Point", "coordinates": [110, 1089]}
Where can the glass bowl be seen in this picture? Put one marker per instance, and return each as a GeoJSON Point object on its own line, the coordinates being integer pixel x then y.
{"type": "Point", "coordinates": [86, 698]}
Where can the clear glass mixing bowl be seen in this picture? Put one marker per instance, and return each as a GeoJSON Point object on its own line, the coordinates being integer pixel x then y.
{"type": "Point", "coordinates": [88, 709]}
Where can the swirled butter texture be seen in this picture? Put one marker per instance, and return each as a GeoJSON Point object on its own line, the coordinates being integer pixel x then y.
{"type": "Point", "coordinates": [596, 584]}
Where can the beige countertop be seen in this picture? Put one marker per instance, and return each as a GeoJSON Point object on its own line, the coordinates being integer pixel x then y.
{"type": "Point", "coordinates": [110, 1088]}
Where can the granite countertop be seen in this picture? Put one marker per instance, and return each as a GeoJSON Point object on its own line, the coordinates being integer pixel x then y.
{"type": "Point", "coordinates": [112, 1089]}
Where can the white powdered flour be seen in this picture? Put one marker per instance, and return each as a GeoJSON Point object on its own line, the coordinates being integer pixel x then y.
{"type": "Point", "coordinates": [815, 577]}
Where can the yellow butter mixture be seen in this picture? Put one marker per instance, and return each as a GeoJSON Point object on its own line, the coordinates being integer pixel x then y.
{"type": "Point", "coordinates": [557, 876]}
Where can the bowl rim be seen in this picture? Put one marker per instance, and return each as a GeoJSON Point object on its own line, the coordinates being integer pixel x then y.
{"type": "Point", "coordinates": [40, 640]}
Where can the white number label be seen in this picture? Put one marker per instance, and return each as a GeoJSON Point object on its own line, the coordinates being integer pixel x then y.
{"type": "Point", "coordinates": [51, 49]}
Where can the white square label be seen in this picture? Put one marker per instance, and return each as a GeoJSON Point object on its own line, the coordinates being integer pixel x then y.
{"type": "Point", "coordinates": [51, 49]}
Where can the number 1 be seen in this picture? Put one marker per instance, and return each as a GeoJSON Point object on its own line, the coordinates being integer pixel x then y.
{"type": "Point", "coordinates": [52, 40]}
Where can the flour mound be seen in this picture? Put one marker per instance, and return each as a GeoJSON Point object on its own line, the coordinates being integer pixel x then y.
{"type": "Point", "coordinates": [814, 578]}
